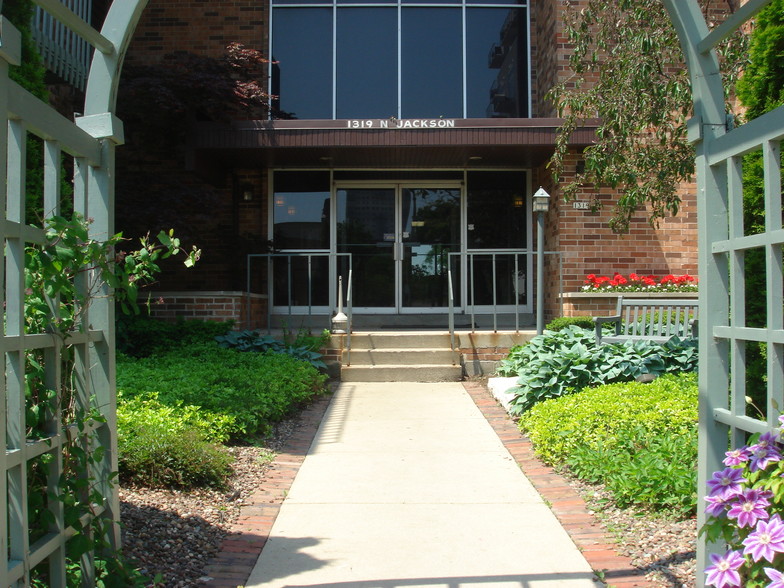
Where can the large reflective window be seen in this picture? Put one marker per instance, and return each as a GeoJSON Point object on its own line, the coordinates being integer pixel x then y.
{"type": "Point", "coordinates": [432, 63]}
{"type": "Point", "coordinates": [496, 62]}
{"type": "Point", "coordinates": [367, 63]}
{"type": "Point", "coordinates": [300, 210]}
{"type": "Point", "coordinates": [300, 216]}
{"type": "Point", "coordinates": [410, 61]}
{"type": "Point", "coordinates": [496, 206]}
{"type": "Point", "coordinates": [302, 48]}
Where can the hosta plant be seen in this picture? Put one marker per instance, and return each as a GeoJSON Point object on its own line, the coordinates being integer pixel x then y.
{"type": "Point", "coordinates": [557, 363]}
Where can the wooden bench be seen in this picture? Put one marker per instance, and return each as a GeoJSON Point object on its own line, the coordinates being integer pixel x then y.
{"type": "Point", "coordinates": [651, 319]}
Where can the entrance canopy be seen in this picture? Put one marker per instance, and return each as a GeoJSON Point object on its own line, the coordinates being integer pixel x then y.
{"type": "Point", "coordinates": [385, 143]}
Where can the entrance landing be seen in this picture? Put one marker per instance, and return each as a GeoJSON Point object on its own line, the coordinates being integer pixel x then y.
{"type": "Point", "coordinates": [406, 484]}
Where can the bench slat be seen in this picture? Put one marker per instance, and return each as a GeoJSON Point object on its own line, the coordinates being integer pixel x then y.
{"type": "Point", "coordinates": [655, 320]}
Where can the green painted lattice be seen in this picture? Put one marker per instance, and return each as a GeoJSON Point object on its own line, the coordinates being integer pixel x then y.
{"type": "Point", "coordinates": [86, 147]}
{"type": "Point", "coordinates": [724, 333]}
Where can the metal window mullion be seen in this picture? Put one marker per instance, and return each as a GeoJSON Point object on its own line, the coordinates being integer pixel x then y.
{"type": "Point", "coordinates": [334, 60]}
{"type": "Point", "coordinates": [465, 61]}
{"type": "Point", "coordinates": [399, 59]}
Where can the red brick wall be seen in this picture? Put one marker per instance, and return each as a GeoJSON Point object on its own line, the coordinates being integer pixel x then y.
{"type": "Point", "coordinates": [197, 26]}
{"type": "Point", "coordinates": [587, 245]}
{"type": "Point", "coordinates": [247, 311]}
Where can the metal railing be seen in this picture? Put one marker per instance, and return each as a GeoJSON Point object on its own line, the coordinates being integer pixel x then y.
{"type": "Point", "coordinates": [289, 259]}
{"type": "Point", "coordinates": [493, 256]}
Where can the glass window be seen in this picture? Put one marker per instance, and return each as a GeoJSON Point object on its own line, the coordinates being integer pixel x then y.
{"type": "Point", "coordinates": [496, 59]}
{"type": "Point", "coordinates": [367, 63]}
{"type": "Point", "coordinates": [300, 210]}
{"type": "Point", "coordinates": [432, 63]}
{"type": "Point", "coordinates": [496, 207]}
{"type": "Point", "coordinates": [302, 76]}
{"type": "Point", "coordinates": [448, 59]}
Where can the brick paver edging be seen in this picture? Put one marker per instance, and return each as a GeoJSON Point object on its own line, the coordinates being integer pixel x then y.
{"type": "Point", "coordinates": [588, 534]}
{"type": "Point", "coordinates": [232, 566]}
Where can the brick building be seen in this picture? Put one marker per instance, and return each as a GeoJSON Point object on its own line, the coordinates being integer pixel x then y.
{"type": "Point", "coordinates": [408, 142]}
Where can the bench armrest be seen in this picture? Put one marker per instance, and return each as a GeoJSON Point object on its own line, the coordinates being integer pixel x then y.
{"type": "Point", "coordinates": [600, 321]}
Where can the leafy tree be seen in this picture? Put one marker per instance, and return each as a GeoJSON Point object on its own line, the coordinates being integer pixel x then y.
{"type": "Point", "coordinates": [628, 71]}
{"type": "Point", "coordinates": [160, 101]}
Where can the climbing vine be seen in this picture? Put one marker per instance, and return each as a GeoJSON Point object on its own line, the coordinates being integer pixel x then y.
{"type": "Point", "coordinates": [63, 276]}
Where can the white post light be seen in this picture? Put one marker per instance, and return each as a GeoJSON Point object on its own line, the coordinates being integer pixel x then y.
{"type": "Point", "coordinates": [541, 203]}
{"type": "Point", "coordinates": [340, 320]}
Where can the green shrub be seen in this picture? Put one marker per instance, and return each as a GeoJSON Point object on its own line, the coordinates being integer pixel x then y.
{"type": "Point", "coordinates": [558, 363]}
{"type": "Point", "coordinates": [603, 417]}
{"type": "Point", "coordinates": [640, 440]}
{"type": "Point", "coordinates": [254, 389]}
{"type": "Point", "coordinates": [560, 323]}
{"type": "Point", "coordinates": [654, 471]}
{"type": "Point", "coordinates": [171, 446]}
{"type": "Point", "coordinates": [157, 457]}
{"type": "Point", "coordinates": [147, 411]}
{"type": "Point", "coordinates": [143, 336]}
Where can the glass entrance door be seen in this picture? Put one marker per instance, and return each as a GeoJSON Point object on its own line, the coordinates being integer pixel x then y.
{"type": "Point", "coordinates": [430, 225]}
{"type": "Point", "coordinates": [400, 237]}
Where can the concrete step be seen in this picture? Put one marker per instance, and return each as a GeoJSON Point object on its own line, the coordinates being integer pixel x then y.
{"type": "Point", "coordinates": [406, 357]}
{"type": "Point", "coordinates": [411, 340]}
{"type": "Point", "coordinates": [402, 373]}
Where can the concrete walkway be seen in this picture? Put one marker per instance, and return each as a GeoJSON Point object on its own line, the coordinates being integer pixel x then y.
{"type": "Point", "coordinates": [406, 484]}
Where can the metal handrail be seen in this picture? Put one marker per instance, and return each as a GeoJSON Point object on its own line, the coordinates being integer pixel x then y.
{"type": "Point", "coordinates": [349, 307]}
{"type": "Point", "coordinates": [451, 297]}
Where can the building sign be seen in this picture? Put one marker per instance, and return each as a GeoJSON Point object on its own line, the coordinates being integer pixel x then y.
{"type": "Point", "coordinates": [406, 123]}
{"type": "Point", "coordinates": [581, 205]}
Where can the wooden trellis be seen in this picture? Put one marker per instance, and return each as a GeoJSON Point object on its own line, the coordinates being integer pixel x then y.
{"type": "Point", "coordinates": [86, 147]}
{"type": "Point", "coordinates": [724, 332]}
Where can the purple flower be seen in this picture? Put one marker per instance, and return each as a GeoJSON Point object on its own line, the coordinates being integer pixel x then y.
{"type": "Point", "coordinates": [737, 457]}
{"type": "Point", "coordinates": [724, 571]}
{"type": "Point", "coordinates": [776, 576]}
{"type": "Point", "coordinates": [749, 507]}
{"type": "Point", "coordinates": [768, 438]}
{"type": "Point", "coordinates": [726, 482]}
{"type": "Point", "coordinates": [766, 540]}
{"type": "Point", "coordinates": [717, 505]}
{"type": "Point", "coordinates": [762, 456]}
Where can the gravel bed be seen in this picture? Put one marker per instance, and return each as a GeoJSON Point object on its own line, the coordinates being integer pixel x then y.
{"type": "Point", "coordinates": [664, 548]}
{"type": "Point", "coordinates": [175, 534]}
